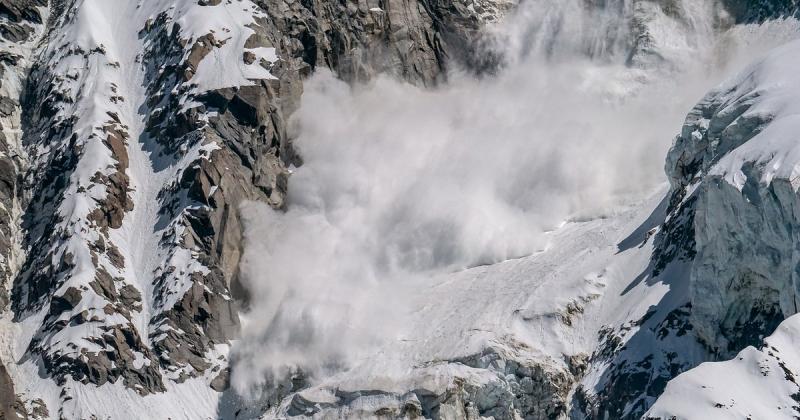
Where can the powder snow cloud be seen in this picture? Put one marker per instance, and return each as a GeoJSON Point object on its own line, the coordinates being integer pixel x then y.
{"type": "Point", "coordinates": [399, 182]}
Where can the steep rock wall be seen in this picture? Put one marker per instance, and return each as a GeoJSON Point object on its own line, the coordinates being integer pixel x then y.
{"type": "Point", "coordinates": [147, 126]}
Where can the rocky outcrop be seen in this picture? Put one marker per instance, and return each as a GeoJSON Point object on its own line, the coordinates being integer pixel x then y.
{"type": "Point", "coordinates": [492, 384]}
{"type": "Point", "coordinates": [20, 25]}
{"type": "Point", "coordinates": [413, 40]}
{"type": "Point", "coordinates": [21, 19]}
{"type": "Point", "coordinates": [742, 280]}
{"type": "Point", "coordinates": [144, 134]}
{"type": "Point", "coordinates": [726, 246]}
{"type": "Point", "coordinates": [11, 408]}
{"type": "Point", "coordinates": [246, 126]}
{"type": "Point", "coordinates": [126, 177]}
{"type": "Point", "coordinates": [760, 10]}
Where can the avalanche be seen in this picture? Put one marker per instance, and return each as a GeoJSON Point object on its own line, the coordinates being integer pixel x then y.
{"type": "Point", "coordinates": [483, 248]}
{"type": "Point", "coordinates": [477, 223]}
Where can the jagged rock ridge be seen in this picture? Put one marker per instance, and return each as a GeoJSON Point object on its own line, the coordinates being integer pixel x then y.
{"type": "Point", "coordinates": [148, 123]}
{"type": "Point", "coordinates": [123, 181]}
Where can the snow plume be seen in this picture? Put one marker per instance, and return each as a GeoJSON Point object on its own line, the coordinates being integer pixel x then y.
{"type": "Point", "coordinates": [400, 183]}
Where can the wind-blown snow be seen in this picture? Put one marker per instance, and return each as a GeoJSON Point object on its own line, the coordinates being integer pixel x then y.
{"type": "Point", "coordinates": [773, 86]}
{"type": "Point", "coordinates": [517, 305]}
{"type": "Point", "coordinates": [424, 225]}
{"type": "Point", "coordinates": [400, 185]}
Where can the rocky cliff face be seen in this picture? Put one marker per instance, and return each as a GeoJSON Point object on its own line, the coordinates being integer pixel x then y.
{"type": "Point", "coordinates": [760, 10]}
{"type": "Point", "coordinates": [21, 26]}
{"type": "Point", "coordinates": [146, 125]}
{"type": "Point", "coordinates": [724, 245]}
{"type": "Point", "coordinates": [734, 164]}
{"type": "Point", "coordinates": [132, 131]}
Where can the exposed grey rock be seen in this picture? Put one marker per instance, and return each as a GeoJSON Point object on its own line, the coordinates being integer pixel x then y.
{"type": "Point", "coordinates": [222, 381]}
{"type": "Point", "coordinates": [405, 38]}
{"type": "Point", "coordinates": [726, 253]}
{"type": "Point", "coordinates": [38, 409]}
{"type": "Point", "coordinates": [518, 389]}
{"type": "Point", "coordinates": [22, 10]}
{"type": "Point", "coordinates": [414, 40]}
{"type": "Point", "coordinates": [760, 10]}
{"type": "Point", "coordinates": [246, 129]}
{"type": "Point", "coordinates": [19, 20]}
{"type": "Point", "coordinates": [10, 407]}
{"type": "Point", "coordinates": [742, 284]}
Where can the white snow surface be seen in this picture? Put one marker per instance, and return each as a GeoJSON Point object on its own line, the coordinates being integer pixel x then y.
{"type": "Point", "coordinates": [517, 302]}
{"type": "Point", "coordinates": [519, 305]}
{"type": "Point", "coordinates": [96, 56]}
{"type": "Point", "coordinates": [228, 22]}
{"type": "Point", "coordinates": [773, 86]}
{"type": "Point", "coordinates": [527, 174]}
{"type": "Point", "coordinates": [758, 383]}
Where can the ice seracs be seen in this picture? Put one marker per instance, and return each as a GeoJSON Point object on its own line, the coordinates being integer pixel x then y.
{"type": "Point", "coordinates": [739, 149]}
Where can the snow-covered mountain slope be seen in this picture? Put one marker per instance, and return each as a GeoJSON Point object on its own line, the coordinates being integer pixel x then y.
{"type": "Point", "coordinates": [503, 340]}
{"type": "Point", "coordinates": [758, 384]}
{"type": "Point", "coordinates": [637, 333]}
{"type": "Point", "coordinates": [738, 156]}
{"type": "Point", "coordinates": [146, 124]}
{"type": "Point", "coordinates": [142, 278]}
{"type": "Point", "coordinates": [21, 25]}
